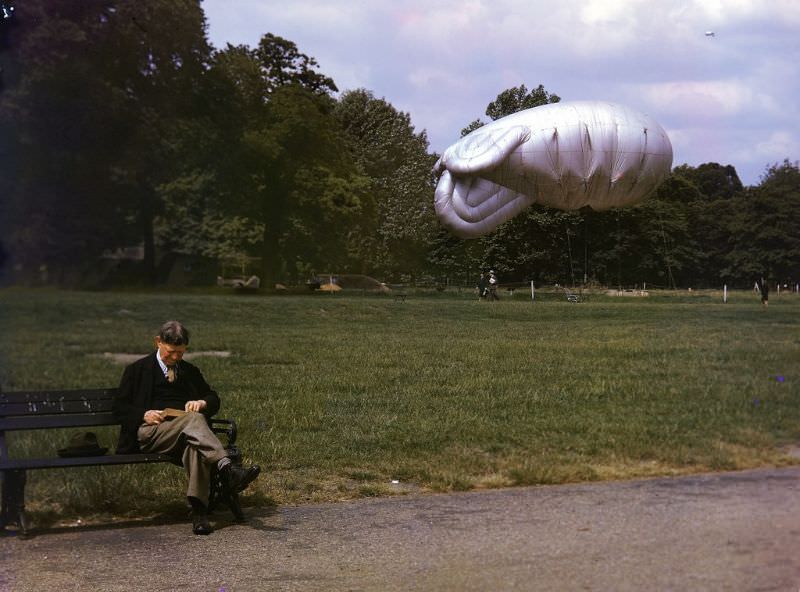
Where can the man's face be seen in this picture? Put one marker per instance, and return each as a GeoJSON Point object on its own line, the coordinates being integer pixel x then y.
{"type": "Point", "coordinates": [170, 354]}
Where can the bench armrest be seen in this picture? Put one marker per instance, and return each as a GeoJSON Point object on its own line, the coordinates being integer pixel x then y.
{"type": "Point", "coordinates": [224, 426]}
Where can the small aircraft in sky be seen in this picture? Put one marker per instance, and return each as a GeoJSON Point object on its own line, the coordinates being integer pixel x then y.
{"type": "Point", "coordinates": [710, 34]}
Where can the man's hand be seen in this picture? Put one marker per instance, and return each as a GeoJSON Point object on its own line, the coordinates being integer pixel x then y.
{"type": "Point", "coordinates": [153, 417]}
{"type": "Point", "coordinates": [195, 405]}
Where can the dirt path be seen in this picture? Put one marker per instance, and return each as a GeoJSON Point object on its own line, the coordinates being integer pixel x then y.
{"type": "Point", "coordinates": [731, 531]}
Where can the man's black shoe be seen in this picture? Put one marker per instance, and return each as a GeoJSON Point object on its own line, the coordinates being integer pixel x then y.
{"type": "Point", "coordinates": [200, 523]}
{"type": "Point", "coordinates": [236, 479]}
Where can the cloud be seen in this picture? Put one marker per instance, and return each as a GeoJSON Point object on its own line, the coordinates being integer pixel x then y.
{"type": "Point", "coordinates": [731, 98]}
{"type": "Point", "coordinates": [703, 100]}
{"type": "Point", "coordinates": [778, 146]}
{"type": "Point", "coordinates": [427, 76]}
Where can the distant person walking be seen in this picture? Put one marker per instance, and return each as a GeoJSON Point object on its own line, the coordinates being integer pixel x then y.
{"type": "Point", "coordinates": [763, 287]}
{"type": "Point", "coordinates": [493, 285]}
{"type": "Point", "coordinates": [482, 286]}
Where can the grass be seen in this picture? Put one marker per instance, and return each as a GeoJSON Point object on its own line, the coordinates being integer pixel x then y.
{"type": "Point", "coordinates": [338, 396]}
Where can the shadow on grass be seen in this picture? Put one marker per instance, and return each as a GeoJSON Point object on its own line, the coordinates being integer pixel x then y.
{"type": "Point", "coordinates": [256, 507]}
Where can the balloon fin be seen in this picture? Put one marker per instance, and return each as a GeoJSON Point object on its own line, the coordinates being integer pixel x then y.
{"type": "Point", "coordinates": [483, 149]}
{"type": "Point", "coordinates": [471, 206]}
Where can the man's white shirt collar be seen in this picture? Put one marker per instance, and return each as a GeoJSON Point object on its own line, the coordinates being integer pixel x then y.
{"type": "Point", "coordinates": [161, 363]}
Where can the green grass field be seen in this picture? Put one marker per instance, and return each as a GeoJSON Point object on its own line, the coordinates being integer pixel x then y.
{"type": "Point", "coordinates": [337, 396]}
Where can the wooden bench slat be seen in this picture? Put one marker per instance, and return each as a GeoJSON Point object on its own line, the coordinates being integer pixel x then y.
{"type": "Point", "coordinates": [55, 407]}
{"type": "Point", "coordinates": [37, 422]}
{"type": "Point", "coordinates": [80, 461]}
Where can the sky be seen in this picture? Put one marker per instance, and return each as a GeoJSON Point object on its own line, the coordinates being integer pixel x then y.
{"type": "Point", "coordinates": [731, 98]}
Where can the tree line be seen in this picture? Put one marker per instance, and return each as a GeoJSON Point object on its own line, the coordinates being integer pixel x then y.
{"type": "Point", "coordinates": [121, 125]}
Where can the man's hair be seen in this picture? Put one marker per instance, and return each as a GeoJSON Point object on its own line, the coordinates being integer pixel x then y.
{"type": "Point", "coordinates": [174, 333]}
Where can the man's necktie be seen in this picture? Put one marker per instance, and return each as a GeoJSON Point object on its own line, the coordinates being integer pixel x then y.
{"type": "Point", "coordinates": [170, 373]}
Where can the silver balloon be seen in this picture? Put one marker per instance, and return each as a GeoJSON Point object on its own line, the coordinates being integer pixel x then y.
{"type": "Point", "coordinates": [562, 155]}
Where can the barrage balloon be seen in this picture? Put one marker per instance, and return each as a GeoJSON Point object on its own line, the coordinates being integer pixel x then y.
{"type": "Point", "coordinates": [562, 155]}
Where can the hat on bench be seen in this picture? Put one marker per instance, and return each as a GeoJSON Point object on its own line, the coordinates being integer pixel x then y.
{"type": "Point", "coordinates": [83, 444]}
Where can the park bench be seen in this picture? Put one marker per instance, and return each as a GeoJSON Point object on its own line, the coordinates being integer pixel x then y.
{"type": "Point", "coordinates": [55, 410]}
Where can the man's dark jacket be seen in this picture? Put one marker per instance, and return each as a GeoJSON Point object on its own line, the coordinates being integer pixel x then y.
{"type": "Point", "coordinates": [135, 396]}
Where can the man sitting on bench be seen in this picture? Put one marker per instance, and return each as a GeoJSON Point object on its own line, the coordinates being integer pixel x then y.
{"type": "Point", "coordinates": [164, 381]}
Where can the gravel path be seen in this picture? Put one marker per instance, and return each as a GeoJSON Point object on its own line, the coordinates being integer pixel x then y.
{"type": "Point", "coordinates": [728, 531]}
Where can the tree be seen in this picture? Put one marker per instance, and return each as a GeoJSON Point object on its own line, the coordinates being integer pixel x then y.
{"type": "Point", "coordinates": [284, 168]}
{"type": "Point", "coordinates": [518, 98]}
{"type": "Point", "coordinates": [512, 100]}
{"type": "Point", "coordinates": [103, 89]}
{"type": "Point", "coordinates": [535, 245]}
{"type": "Point", "coordinates": [162, 53]}
{"type": "Point", "coordinates": [282, 64]}
{"type": "Point", "coordinates": [395, 160]}
{"type": "Point", "coordinates": [707, 194]}
{"type": "Point", "coordinates": [712, 180]}
{"type": "Point", "coordinates": [49, 209]}
{"type": "Point", "coordinates": [763, 225]}
{"type": "Point", "coordinates": [8, 24]}
{"type": "Point", "coordinates": [473, 125]}
{"type": "Point", "coordinates": [311, 185]}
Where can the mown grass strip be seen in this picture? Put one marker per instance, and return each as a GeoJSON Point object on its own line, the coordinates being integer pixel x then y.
{"type": "Point", "coordinates": [338, 396]}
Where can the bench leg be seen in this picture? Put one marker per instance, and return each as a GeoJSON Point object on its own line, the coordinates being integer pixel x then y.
{"type": "Point", "coordinates": [13, 500]}
{"type": "Point", "coordinates": [220, 495]}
